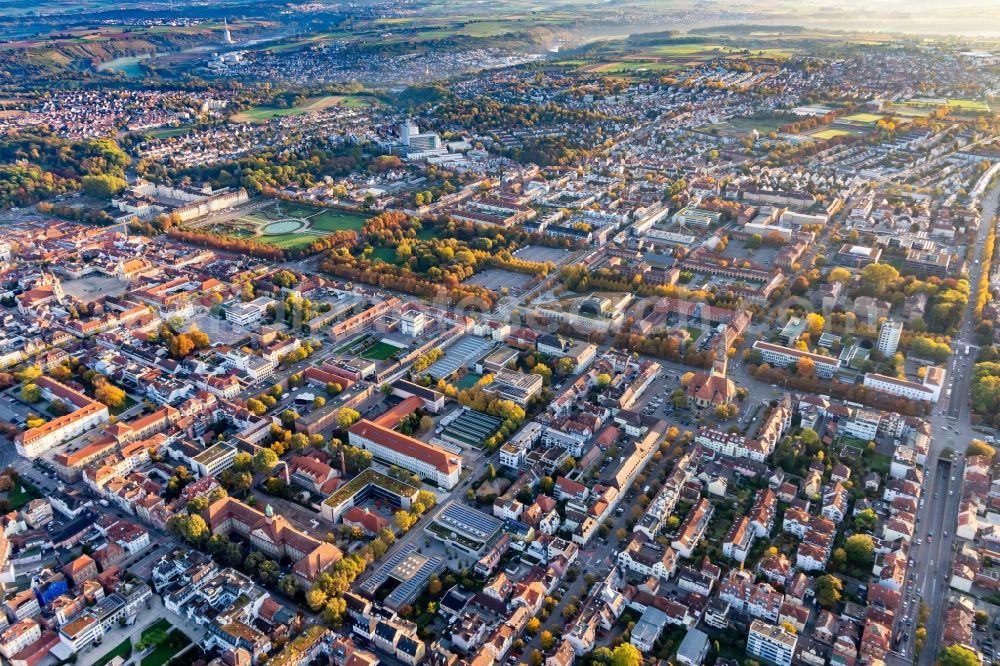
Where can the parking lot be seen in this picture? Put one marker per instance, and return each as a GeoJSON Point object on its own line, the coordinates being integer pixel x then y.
{"type": "Point", "coordinates": [495, 279]}
{"type": "Point", "coordinates": [219, 331]}
{"type": "Point", "coordinates": [763, 255]}
{"type": "Point", "coordinates": [542, 254]}
{"type": "Point", "coordinates": [93, 287]}
{"type": "Point", "coordinates": [12, 410]}
{"type": "Point", "coordinates": [656, 401]}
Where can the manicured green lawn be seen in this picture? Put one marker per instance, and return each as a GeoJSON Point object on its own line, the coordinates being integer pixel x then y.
{"type": "Point", "coordinates": [288, 241]}
{"type": "Point", "coordinates": [341, 350]}
{"type": "Point", "coordinates": [161, 625]}
{"type": "Point", "coordinates": [123, 650]}
{"type": "Point", "coordinates": [128, 404]}
{"type": "Point", "coordinates": [386, 254]}
{"type": "Point", "coordinates": [166, 650]}
{"type": "Point", "coordinates": [321, 221]}
{"type": "Point", "coordinates": [22, 493]}
{"type": "Point", "coordinates": [381, 351]}
{"type": "Point", "coordinates": [337, 220]}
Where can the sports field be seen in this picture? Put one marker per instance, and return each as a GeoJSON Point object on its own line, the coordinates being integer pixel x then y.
{"type": "Point", "coordinates": [743, 125]}
{"type": "Point", "coordinates": [259, 114]}
{"type": "Point", "coordinates": [287, 225]}
{"type": "Point", "coordinates": [907, 111]}
{"type": "Point", "coordinates": [863, 118]}
{"type": "Point", "coordinates": [468, 381]}
{"type": "Point", "coordinates": [380, 351]}
{"type": "Point", "coordinates": [830, 133]}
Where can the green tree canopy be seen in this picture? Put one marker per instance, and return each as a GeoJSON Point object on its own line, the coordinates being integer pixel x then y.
{"type": "Point", "coordinates": [876, 278]}
{"type": "Point", "coordinates": [626, 654]}
{"type": "Point", "coordinates": [828, 590]}
{"type": "Point", "coordinates": [265, 460]}
{"type": "Point", "coordinates": [860, 548]}
{"type": "Point", "coordinates": [957, 655]}
{"type": "Point", "coordinates": [866, 521]}
{"type": "Point", "coordinates": [103, 186]}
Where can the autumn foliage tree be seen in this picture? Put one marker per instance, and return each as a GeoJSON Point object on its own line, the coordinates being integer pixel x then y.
{"type": "Point", "coordinates": [110, 395]}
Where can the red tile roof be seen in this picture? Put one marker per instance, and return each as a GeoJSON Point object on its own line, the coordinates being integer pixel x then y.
{"type": "Point", "coordinates": [408, 446]}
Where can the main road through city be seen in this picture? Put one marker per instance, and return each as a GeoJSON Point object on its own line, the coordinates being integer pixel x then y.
{"type": "Point", "coordinates": [942, 490]}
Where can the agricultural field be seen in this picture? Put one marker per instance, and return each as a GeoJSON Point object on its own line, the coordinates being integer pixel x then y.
{"type": "Point", "coordinates": [631, 66]}
{"type": "Point", "coordinates": [702, 51]}
{"type": "Point", "coordinates": [683, 50]}
{"type": "Point", "coordinates": [259, 114]}
{"type": "Point", "coordinates": [168, 132]}
{"type": "Point", "coordinates": [961, 105]}
{"type": "Point", "coordinates": [969, 105]}
{"type": "Point", "coordinates": [629, 59]}
{"type": "Point", "coordinates": [286, 225]}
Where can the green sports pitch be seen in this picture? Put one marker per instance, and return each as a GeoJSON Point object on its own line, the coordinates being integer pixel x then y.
{"type": "Point", "coordinates": [381, 351]}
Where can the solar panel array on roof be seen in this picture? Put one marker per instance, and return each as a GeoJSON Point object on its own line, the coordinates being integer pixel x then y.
{"type": "Point", "coordinates": [466, 520]}
{"type": "Point", "coordinates": [473, 427]}
{"type": "Point", "coordinates": [411, 588]}
{"type": "Point", "coordinates": [463, 352]}
{"type": "Point", "coordinates": [377, 579]}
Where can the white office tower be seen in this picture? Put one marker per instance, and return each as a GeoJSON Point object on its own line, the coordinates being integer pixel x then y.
{"type": "Point", "coordinates": [424, 141]}
{"type": "Point", "coordinates": [227, 37]}
{"type": "Point", "coordinates": [406, 131]}
{"type": "Point", "coordinates": [888, 337]}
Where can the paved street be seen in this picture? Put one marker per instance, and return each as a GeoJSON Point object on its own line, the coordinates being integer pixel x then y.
{"type": "Point", "coordinates": [942, 483]}
{"type": "Point", "coordinates": [143, 620]}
